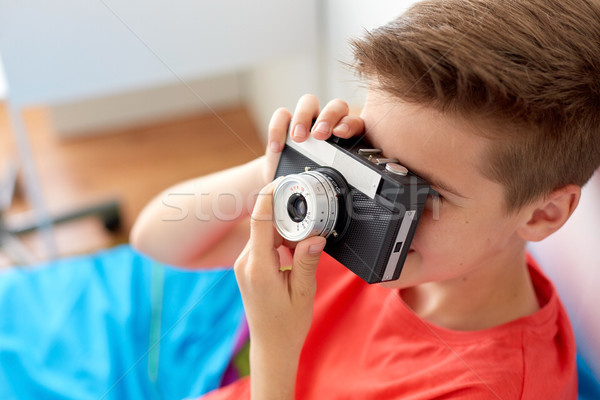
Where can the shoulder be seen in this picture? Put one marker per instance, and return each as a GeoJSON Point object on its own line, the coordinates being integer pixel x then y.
{"type": "Point", "coordinates": [529, 358]}
{"type": "Point", "coordinates": [549, 349]}
{"type": "Point", "coordinates": [533, 357]}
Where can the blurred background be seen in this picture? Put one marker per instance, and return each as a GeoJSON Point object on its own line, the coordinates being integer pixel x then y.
{"type": "Point", "coordinates": [105, 103]}
{"type": "Point", "coordinates": [114, 100]}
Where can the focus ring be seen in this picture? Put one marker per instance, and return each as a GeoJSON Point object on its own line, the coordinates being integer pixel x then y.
{"type": "Point", "coordinates": [318, 192]}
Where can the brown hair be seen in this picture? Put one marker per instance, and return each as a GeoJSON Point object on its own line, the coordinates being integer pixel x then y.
{"type": "Point", "coordinates": [528, 71]}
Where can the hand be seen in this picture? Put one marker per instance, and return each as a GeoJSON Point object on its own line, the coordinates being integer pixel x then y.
{"type": "Point", "coordinates": [332, 120]}
{"type": "Point", "coordinates": [278, 304]}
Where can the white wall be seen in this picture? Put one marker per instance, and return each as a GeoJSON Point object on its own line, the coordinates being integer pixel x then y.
{"type": "Point", "coordinates": [3, 88]}
{"type": "Point", "coordinates": [145, 106]}
{"type": "Point", "coordinates": [348, 19]}
{"type": "Point", "coordinates": [65, 50]}
{"type": "Point", "coordinates": [281, 83]}
{"type": "Point", "coordinates": [68, 54]}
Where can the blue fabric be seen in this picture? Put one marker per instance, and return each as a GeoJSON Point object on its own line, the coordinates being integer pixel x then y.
{"type": "Point", "coordinates": [115, 325]}
{"type": "Point", "coordinates": [589, 387]}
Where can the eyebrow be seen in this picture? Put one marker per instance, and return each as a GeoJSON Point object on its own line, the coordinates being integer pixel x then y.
{"type": "Point", "coordinates": [435, 184]}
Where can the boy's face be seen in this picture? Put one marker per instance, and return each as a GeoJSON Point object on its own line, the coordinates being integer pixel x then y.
{"type": "Point", "coordinates": [469, 230]}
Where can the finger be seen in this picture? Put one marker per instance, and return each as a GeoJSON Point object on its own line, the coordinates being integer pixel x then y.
{"type": "Point", "coordinates": [285, 258]}
{"type": "Point", "coordinates": [261, 221]}
{"type": "Point", "coordinates": [240, 262]}
{"type": "Point", "coordinates": [304, 266]}
{"type": "Point", "coordinates": [306, 110]}
{"type": "Point", "coordinates": [329, 117]}
{"type": "Point", "coordinates": [277, 134]}
{"type": "Point", "coordinates": [349, 127]}
{"type": "Point", "coordinates": [278, 126]}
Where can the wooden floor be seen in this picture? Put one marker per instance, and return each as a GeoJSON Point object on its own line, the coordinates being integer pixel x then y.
{"type": "Point", "coordinates": [131, 165]}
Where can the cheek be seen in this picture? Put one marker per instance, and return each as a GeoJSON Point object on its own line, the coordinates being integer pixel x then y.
{"type": "Point", "coordinates": [444, 248]}
{"type": "Point", "coordinates": [460, 238]}
{"type": "Point", "coordinates": [451, 237]}
{"type": "Point", "coordinates": [435, 237]}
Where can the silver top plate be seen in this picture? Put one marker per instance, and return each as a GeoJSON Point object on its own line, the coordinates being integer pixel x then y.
{"type": "Point", "coordinates": [323, 153]}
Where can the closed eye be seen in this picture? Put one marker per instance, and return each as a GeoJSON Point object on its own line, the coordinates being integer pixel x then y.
{"type": "Point", "coordinates": [434, 203]}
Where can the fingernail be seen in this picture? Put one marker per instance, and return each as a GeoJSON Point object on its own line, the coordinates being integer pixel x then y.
{"type": "Point", "coordinates": [316, 248]}
{"type": "Point", "coordinates": [341, 129]}
{"type": "Point", "coordinates": [275, 147]}
{"type": "Point", "coordinates": [300, 131]}
{"type": "Point", "coordinates": [322, 127]}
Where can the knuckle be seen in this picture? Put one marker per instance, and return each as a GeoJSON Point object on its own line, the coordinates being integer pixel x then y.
{"type": "Point", "coordinates": [265, 193]}
{"type": "Point", "coordinates": [238, 270]}
{"type": "Point", "coordinates": [306, 291]}
{"type": "Point", "coordinates": [255, 221]}
{"type": "Point", "coordinates": [253, 277]}
{"type": "Point", "coordinates": [307, 106]}
{"type": "Point", "coordinates": [341, 104]}
{"type": "Point", "coordinates": [262, 199]}
{"type": "Point", "coordinates": [247, 272]}
{"type": "Point", "coordinates": [308, 97]}
{"type": "Point", "coordinates": [250, 274]}
{"type": "Point", "coordinates": [259, 217]}
{"type": "Point", "coordinates": [276, 131]}
{"type": "Point", "coordinates": [239, 263]}
{"type": "Point", "coordinates": [282, 111]}
{"type": "Point", "coordinates": [238, 267]}
{"type": "Point", "coordinates": [280, 117]}
{"type": "Point", "coordinates": [356, 123]}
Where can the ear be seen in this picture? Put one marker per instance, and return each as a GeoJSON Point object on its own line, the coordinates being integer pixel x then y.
{"type": "Point", "coordinates": [547, 215]}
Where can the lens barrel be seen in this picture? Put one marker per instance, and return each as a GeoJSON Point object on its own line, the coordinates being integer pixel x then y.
{"type": "Point", "coordinates": [310, 204]}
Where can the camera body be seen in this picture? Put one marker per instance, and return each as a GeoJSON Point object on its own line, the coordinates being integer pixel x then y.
{"type": "Point", "coordinates": [367, 207]}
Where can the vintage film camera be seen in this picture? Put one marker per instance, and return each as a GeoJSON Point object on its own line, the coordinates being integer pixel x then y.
{"type": "Point", "coordinates": [365, 205]}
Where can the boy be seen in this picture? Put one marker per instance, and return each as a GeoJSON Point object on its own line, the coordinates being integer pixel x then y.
{"type": "Point", "coordinates": [496, 105]}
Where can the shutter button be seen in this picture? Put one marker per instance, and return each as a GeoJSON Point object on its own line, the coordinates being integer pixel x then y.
{"type": "Point", "coordinates": [396, 169]}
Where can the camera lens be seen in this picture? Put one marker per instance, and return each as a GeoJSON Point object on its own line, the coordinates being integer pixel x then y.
{"type": "Point", "coordinates": [297, 207]}
{"type": "Point", "coordinates": [310, 204]}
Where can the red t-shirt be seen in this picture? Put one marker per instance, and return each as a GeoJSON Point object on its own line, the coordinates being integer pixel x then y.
{"type": "Point", "coordinates": [366, 343]}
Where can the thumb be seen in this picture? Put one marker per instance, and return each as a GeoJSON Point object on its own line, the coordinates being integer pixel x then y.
{"type": "Point", "coordinates": [306, 258]}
